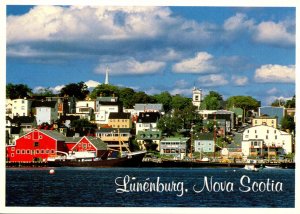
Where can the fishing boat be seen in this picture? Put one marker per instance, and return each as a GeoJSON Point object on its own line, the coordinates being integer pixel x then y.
{"type": "Point", "coordinates": [251, 167]}
{"type": "Point", "coordinates": [132, 159]}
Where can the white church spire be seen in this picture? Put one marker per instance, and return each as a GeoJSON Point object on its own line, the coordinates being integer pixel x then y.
{"type": "Point", "coordinates": [106, 76]}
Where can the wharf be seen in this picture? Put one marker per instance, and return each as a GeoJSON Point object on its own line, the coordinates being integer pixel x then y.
{"type": "Point", "coordinates": [189, 164]}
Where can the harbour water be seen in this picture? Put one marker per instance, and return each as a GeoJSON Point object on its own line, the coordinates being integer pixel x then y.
{"type": "Point", "coordinates": [150, 187]}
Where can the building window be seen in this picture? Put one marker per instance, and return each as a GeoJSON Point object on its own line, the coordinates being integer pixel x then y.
{"type": "Point", "coordinates": [52, 151]}
{"type": "Point", "coordinates": [12, 149]}
{"type": "Point", "coordinates": [18, 151]}
{"type": "Point", "coordinates": [267, 137]}
{"type": "Point", "coordinates": [41, 137]}
{"type": "Point", "coordinates": [37, 151]}
{"type": "Point", "coordinates": [42, 151]}
{"type": "Point", "coordinates": [275, 131]}
{"type": "Point", "coordinates": [255, 136]}
{"type": "Point", "coordinates": [247, 131]}
{"type": "Point", "coordinates": [255, 121]}
{"type": "Point", "coordinates": [12, 154]}
{"type": "Point", "coordinates": [47, 151]}
{"type": "Point", "coordinates": [84, 145]}
{"type": "Point", "coordinates": [255, 131]}
{"type": "Point", "coordinates": [267, 131]}
{"type": "Point", "coordinates": [36, 144]}
{"type": "Point", "coordinates": [23, 151]}
{"type": "Point", "coordinates": [27, 151]}
{"type": "Point", "coordinates": [275, 137]}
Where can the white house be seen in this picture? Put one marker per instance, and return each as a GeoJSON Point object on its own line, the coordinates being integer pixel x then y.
{"type": "Point", "coordinates": [265, 141]}
{"type": "Point", "coordinates": [85, 106]}
{"type": "Point", "coordinates": [21, 107]}
{"type": "Point", "coordinates": [46, 112]}
{"type": "Point", "coordinates": [103, 111]}
{"type": "Point", "coordinates": [147, 121]}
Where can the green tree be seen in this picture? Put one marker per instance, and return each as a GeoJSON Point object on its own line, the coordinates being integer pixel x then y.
{"type": "Point", "coordinates": [169, 124]}
{"type": "Point", "coordinates": [244, 102]}
{"type": "Point", "coordinates": [165, 99]}
{"type": "Point", "coordinates": [105, 91]}
{"type": "Point", "coordinates": [291, 103]}
{"type": "Point", "coordinates": [288, 123]}
{"type": "Point", "coordinates": [14, 91]}
{"type": "Point", "coordinates": [212, 101]}
{"type": "Point", "coordinates": [278, 102]}
{"type": "Point", "coordinates": [78, 90]}
{"type": "Point", "coordinates": [126, 97]}
{"type": "Point", "coordinates": [142, 97]}
{"type": "Point", "coordinates": [179, 102]}
{"type": "Point", "coordinates": [83, 126]}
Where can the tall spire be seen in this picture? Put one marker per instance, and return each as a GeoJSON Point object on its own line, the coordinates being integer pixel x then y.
{"type": "Point", "coordinates": [106, 76]}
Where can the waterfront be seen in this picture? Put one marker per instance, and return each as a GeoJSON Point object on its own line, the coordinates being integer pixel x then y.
{"type": "Point", "coordinates": [102, 187]}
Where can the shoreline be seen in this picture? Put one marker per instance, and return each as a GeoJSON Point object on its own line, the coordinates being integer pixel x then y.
{"type": "Point", "coordinates": [168, 164]}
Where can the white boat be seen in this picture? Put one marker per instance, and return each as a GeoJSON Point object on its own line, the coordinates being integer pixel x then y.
{"type": "Point", "coordinates": [251, 167]}
{"type": "Point", "coordinates": [271, 167]}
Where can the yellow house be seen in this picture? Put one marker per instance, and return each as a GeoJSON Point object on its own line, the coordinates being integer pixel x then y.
{"type": "Point", "coordinates": [264, 120]}
{"type": "Point", "coordinates": [119, 120]}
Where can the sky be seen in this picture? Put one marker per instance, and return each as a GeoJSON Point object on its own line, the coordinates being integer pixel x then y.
{"type": "Point", "coordinates": [231, 50]}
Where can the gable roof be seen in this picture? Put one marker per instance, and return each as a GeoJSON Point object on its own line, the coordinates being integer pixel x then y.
{"type": "Point", "coordinates": [204, 136]}
{"type": "Point", "coordinates": [119, 115]}
{"type": "Point", "coordinates": [148, 107]}
{"type": "Point", "coordinates": [54, 134]}
{"type": "Point", "coordinates": [148, 117]}
{"type": "Point", "coordinates": [96, 142]}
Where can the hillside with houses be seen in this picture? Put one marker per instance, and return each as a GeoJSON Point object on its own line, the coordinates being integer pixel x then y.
{"type": "Point", "coordinates": [205, 128]}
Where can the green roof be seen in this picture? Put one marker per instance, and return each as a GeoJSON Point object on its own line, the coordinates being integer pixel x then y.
{"type": "Point", "coordinates": [175, 139]}
{"type": "Point", "coordinates": [149, 134]}
{"type": "Point", "coordinates": [98, 143]}
{"type": "Point", "coordinates": [54, 134]}
{"type": "Point", "coordinates": [204, 136]}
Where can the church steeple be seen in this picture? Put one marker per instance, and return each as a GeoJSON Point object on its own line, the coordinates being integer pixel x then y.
{"type": "Point", "coordinates": [106, 76]}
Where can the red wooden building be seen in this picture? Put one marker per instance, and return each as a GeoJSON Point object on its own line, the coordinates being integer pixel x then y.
{"type": "Point", "coordinates": [38, 145]}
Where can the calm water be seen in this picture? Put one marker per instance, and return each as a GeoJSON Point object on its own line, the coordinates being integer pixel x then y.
{"type": "Point", "coordinates": [96, 187]}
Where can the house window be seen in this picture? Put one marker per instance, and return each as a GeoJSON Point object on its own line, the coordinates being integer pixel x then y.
{"type": "Point", "coordinates": [255, 131]}
{"type": "Point", "coordinates": [52, 151]}
{"type": "Point", "coordinates": [267, 137]}
{"type": "Point", "coordinates": [84, 145]}
{"type": "Point", "coordinates": [27, 151]}
{"type": "Point", "coordinates": [37, 151]}
{"type": "Point", "coordinates": [12, 154]}
{"type": "Point", "coordinates": [255, 136]}
{"type": "Point", "coordinates": [41, 137]}
{"type": "Point", "coordinates": [23, 151]}
{"type": "Point", "coordinates": [47, 151]}
{"type": "Point", "coordinates": [274, 131]}
{"type": "Point", "coordinates": [42, 151]}
{"type": "Point", "coordinates": [247, 131]}
{"type": "Point", "coordinates": [255, 121]}
{"type": "Point", "coordinates": [12, 149]}
{"type": "Point", "coordinates": [36, 144]}
{"type": "Point", "coordinates": [267, 131]}
{"type": "Point", "coordinates": [275, 137]}
{"type": "Point", "coordinates": [246, 136]}
{"type": "Point", "coordinates": [18, 151]}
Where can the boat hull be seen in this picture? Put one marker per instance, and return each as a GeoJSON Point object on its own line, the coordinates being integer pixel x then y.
{"type": "Point", "coordinates": [128, 161]}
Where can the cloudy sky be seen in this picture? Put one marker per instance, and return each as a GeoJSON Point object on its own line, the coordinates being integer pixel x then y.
{"type": "Point", "coordinates": [231, 50]}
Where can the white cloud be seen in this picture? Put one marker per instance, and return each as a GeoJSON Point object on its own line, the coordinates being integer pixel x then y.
{"type": "Point", "coordinates": [275, 73]}
{"type": "Point", "coordinates": [132, 66]}
{"type": "Point", "coordinates": [92, 83]}
{"type": "Point", "coordinates": [54, 90]}
{"type": "Point", "coordinates": [212, 80]}
{"type": "Point", "coordinates": [237, 23]}
{"type": "Point", "coordinates": [152, 91]}
{"type": "Point", "coordinates": [201, 63]}
{"type": "Point", "coordinates": [274, 33]}
{"type": "Point", "coordinates": [271, 99]}
{"type": "Point", "coordinates": [181, 84]}
{"type": "Point", "coordinates": [239, 80]}
{"type": "Point", "coordinates": [273, 91]}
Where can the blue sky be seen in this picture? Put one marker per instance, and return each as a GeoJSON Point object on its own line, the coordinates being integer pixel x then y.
{"type": "Point", "coordinates": [231, 50]}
